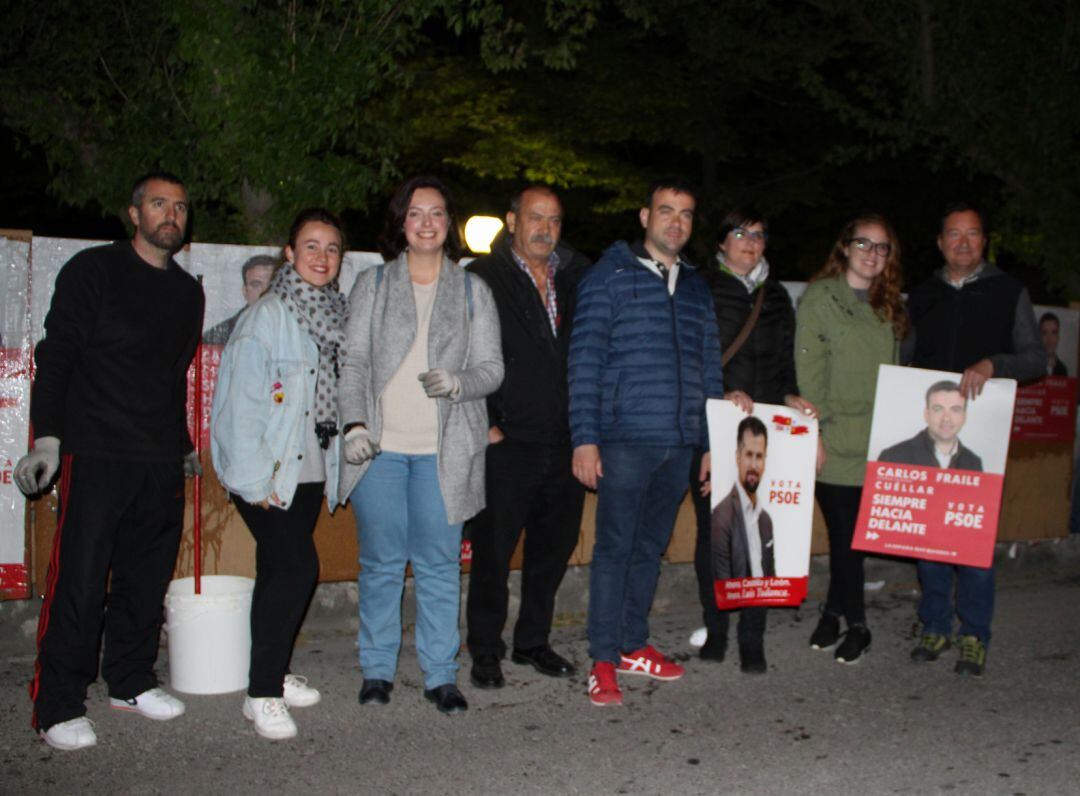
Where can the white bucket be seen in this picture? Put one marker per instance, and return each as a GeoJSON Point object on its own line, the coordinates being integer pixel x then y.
{"type": "Point", "coordinates": [209, 634]}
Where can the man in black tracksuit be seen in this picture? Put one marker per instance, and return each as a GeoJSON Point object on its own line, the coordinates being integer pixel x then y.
{"type": "Point", "coordinates": [108, 413]}
{"type": "Point", "coordinates": [529, 481]}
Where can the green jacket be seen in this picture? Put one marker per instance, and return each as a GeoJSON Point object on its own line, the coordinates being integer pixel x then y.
{"type": "Point", "coordinates": [839, 344]}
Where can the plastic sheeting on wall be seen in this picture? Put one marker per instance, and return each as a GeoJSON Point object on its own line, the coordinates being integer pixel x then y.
{"type": "Point", "coordinates": [14, 411]}
{"type": "Point", "coordinates": [28, 270]}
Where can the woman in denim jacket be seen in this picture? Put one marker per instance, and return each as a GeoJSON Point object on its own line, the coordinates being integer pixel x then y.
{"type": "Point", "coordinates": [275, 448]}
{"type": "Point", "coordinates": [422, 350]}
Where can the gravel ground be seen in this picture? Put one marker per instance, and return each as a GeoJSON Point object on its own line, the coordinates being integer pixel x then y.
{"type": "Point", "coordinates": [810, 725]}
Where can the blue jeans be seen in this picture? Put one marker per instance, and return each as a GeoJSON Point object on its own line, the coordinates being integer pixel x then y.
{"type": "Point", "coordinates": [401, 518]}
{"type": "Point", "coordinates": [974, 599]}
{"type": "Point", "coordinates": [638, 499]}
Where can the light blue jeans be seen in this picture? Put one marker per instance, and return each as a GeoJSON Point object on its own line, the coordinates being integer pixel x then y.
{"type": "Point", "coordinates": [401, 518]}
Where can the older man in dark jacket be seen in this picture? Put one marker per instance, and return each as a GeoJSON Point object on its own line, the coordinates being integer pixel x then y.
{"type": "Point", "coordinates": [973, 319]}
{"type": "Point", "coordinates": [528, 477]}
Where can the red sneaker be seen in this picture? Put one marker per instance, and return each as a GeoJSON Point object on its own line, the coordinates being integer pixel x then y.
{"type": "Point", "coordinates": [649, 662]}
{"type": "Point", "coordinates": [603, 685]}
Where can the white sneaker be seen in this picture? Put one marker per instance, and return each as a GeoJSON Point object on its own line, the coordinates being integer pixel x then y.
{"type": "Point", "coordinates": [71, 734]}
{"type": "Point", "coordinates": [298, 694]}
{"type": "Point", "coordinates": [271, 717]}
{"type": "Point", "coordinates": [154, 704]}
{"type": "Point", "coordinates": [699, 637]}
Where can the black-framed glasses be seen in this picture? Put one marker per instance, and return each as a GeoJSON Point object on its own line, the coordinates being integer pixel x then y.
{"type": "Point", "coordinates": [866, 245]}
{"type": "Point", "coordinates": [745, 234]}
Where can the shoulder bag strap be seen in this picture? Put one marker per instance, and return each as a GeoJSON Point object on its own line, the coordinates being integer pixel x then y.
{"type": "Point", "coordinates": [744, 332]}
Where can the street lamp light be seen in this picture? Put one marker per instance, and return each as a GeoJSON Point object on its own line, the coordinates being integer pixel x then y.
{"type": "Point", "coordinates": [480, 231]}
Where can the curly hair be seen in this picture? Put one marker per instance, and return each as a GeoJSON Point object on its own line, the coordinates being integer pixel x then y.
{"type": "Point", "coordinates": [884, 293]}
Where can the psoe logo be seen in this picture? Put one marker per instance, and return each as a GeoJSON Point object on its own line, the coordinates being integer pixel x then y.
{"type": "Point", "coordinates": [785, 425]}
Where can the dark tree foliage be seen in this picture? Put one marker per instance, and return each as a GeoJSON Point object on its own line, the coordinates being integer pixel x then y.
{"type": "Point", "coordinates": [812, 111]}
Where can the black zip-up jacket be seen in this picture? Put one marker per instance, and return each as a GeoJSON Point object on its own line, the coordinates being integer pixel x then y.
{"type": "Point", "coordinates": [764, 367]}
{"type": "Point", "coordinates": [989, 317]}
{"type": "Point", "coordinates": [111, 375]}
{"type": "Point", "coordinates": [531, 403]}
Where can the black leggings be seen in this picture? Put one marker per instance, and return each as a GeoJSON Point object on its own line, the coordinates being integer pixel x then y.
{"type": "Point", "coordinates": [840, 507]}
{"type": "Point", "coordinates": [286, 571]}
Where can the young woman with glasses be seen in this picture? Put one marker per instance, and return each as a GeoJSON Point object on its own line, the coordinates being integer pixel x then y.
{"type": "Point", "coordinates": [849, 322]}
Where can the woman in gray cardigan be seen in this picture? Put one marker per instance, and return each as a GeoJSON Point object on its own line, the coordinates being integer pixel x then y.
{"type": "Point", "coordinates": [422, 350]}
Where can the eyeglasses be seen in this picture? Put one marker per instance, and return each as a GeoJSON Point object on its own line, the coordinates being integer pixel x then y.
{"type": "Point", "coordinates": [744, 234]}
{"type": "Point", "coordinates": [866, 245]}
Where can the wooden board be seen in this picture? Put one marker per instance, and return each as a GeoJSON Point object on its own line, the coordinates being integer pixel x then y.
{"type": "Point", "coordinates": [1035, 506]}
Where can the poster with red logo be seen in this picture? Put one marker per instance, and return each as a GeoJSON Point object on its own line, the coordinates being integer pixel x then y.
{"type": "Point", "coordinates": [762, 498]}
{"type": "Point", "coordinates": [1046, 410]}
{"type": "Point", "coordinates": [935, 469]}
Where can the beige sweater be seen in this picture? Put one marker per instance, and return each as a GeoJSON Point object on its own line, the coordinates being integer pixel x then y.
{"type": "Point", "coordinates": [410, 418]}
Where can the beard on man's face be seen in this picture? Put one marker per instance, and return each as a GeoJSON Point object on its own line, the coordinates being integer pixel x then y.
{"type": "Point", "coordinates": [751, 481]}
{"type": "Point", "coordinates": [166, 235]}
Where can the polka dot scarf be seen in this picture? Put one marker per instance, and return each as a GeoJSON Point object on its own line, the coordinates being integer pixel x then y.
{"type": "Point", "coordinates": [320, 311]}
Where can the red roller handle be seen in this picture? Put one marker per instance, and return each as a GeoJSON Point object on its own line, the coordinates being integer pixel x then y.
{"type": "Point", "coordinates": [196, 490]}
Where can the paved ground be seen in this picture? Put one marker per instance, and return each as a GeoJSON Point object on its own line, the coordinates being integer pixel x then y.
{"type": "Point", "coordinates": [809, 726]}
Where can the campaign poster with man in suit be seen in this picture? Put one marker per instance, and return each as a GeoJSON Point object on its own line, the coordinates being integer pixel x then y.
{"type": "Point", "coordinates": [762, 490]}
{"type": "Point", "coordinates": [935, 467]}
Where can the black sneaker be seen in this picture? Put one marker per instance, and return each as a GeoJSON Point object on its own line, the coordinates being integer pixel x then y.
{"type": "Point", "coordinates": [752, 658]}
{"type": "Point", "coordinates": [714, 648]}
{"type": "Point", "coordinates": [972, 659]}
{"type": "Point", "coordinates": [931, 645]}
{"type": "Point", "coordinates": [827, 632]}
{"type": "Point", "coordinates": [856, 642]}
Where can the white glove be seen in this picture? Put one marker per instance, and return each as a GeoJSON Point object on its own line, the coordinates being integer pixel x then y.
{"type": "Point", "coordinates": [192, 465]}
{"type": "Point", "coordinates": [439, 383]}
{"type": "Point", "coordinates": [35, 470]}
{"type": "Point", "coordinates": [359, 447]}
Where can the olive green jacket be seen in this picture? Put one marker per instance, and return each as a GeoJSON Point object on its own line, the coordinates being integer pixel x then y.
{"type": "Point", "coordinates": [839, 344]}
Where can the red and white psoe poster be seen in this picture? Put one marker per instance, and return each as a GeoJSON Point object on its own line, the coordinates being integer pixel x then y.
{"type": "Point", "coordinates": [935, 469]}
{"type": "Point", "coordinates": [1046, 410]}
{"type": "Point", "coordinates": [762, 503]}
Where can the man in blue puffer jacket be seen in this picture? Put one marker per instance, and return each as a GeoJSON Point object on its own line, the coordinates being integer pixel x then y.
{"type": "Point", "coordinates": [644, 357]}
